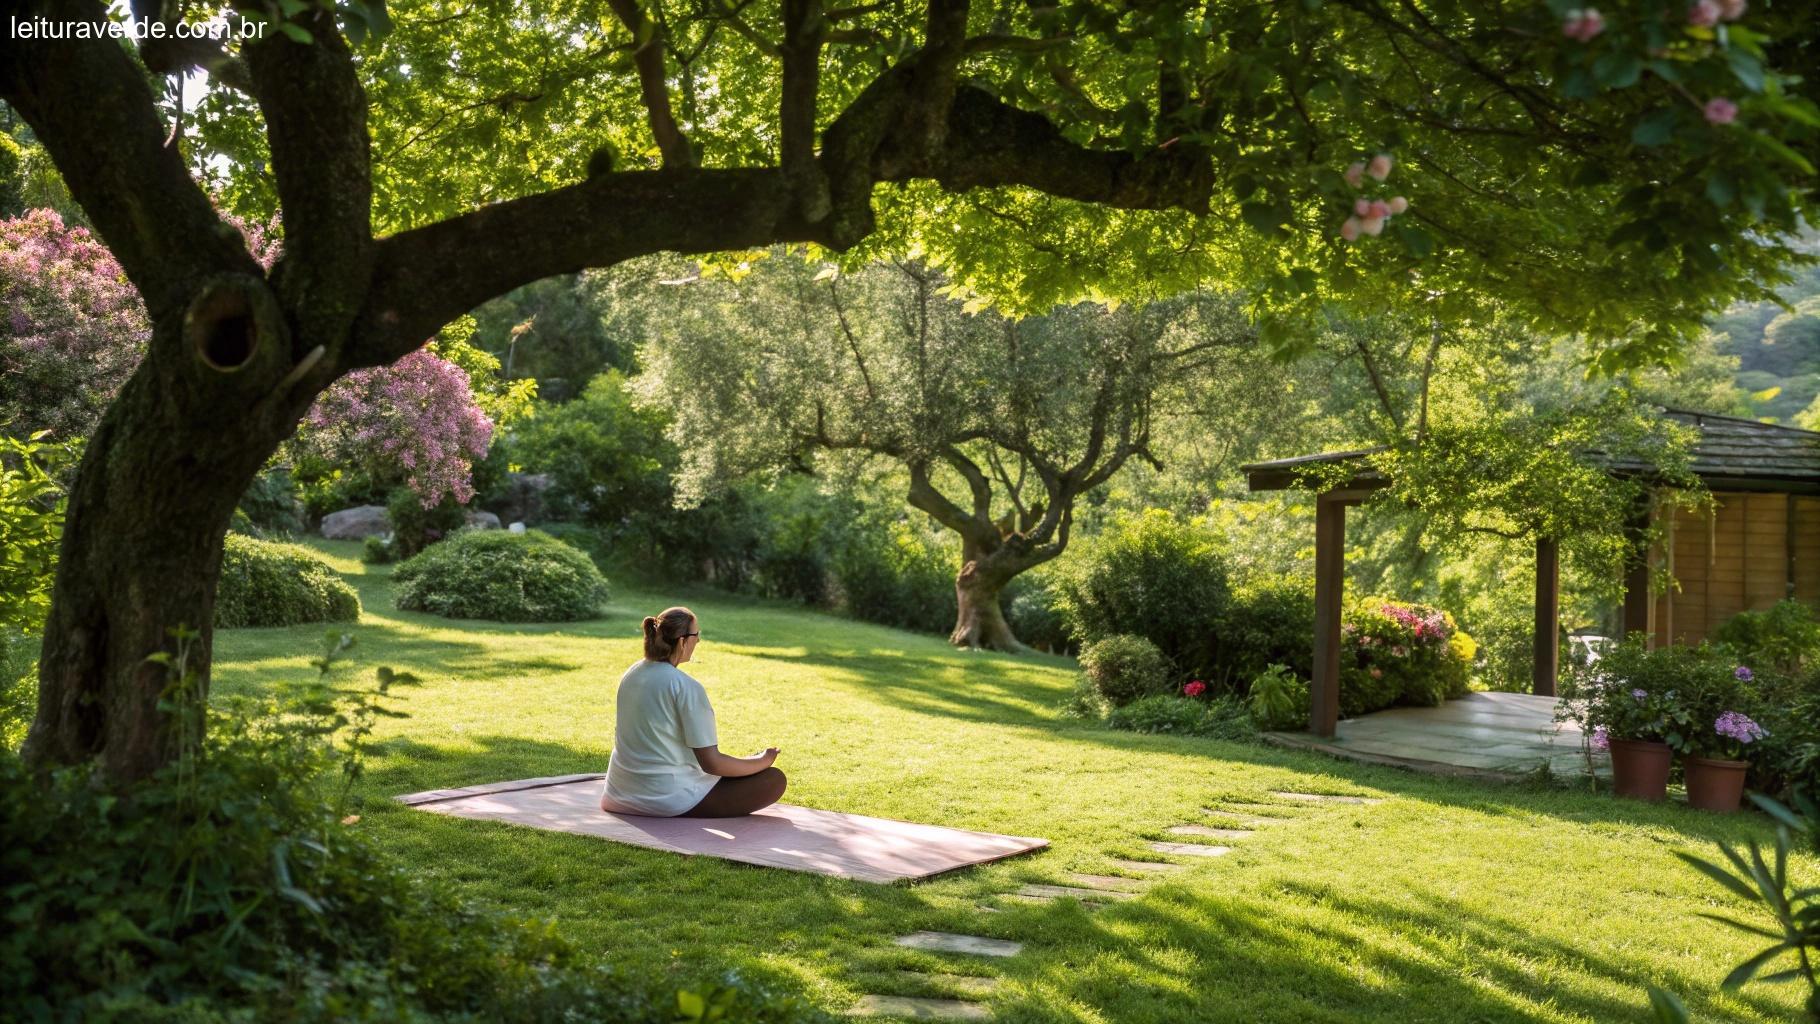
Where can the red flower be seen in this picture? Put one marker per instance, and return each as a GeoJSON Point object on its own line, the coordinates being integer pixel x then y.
{"type": "Point", "coordinates": [1195, 688]}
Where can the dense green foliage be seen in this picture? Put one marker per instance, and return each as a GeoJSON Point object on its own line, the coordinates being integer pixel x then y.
{"type": "Point", "coordinates": [493, 574]}
{"type": "Point", "coordinates": [273, 505]}
{"type": "Point", "coordinates": [1278, 699]}
{"type": "Point", "coordinates": [265, 583]}
{"type": "Point", "coordinates": [1153, 576]}
{"type": "Point", "coordinates": [1783, 639]}
{"type": "Point", "coordinates": [607, 457]}
{"type": "Point", "coordinates": [1124, 668]}
{"type": "Point", "coordinates": [415, 526]}
{"type": "Point", "coordinates": [1224, 718]}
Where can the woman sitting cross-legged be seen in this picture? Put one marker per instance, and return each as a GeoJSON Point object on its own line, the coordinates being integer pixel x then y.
{"type": "Point", "coordinates": [666, 758]}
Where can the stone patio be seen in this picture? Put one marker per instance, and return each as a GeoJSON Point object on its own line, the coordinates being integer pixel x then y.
{"type": "Point", "coordinates": [1482, 735]}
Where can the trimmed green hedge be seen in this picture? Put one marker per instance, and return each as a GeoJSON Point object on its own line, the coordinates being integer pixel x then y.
{"type": "Point", "coordinates": [507, 577]}
{"type": "Point", "coordinates": [264, 583]}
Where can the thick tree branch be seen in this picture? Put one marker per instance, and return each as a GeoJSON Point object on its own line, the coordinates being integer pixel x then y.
{"type": "Point", "coordinates": [924, 495]}
{"type": "Point", "coordinates": [804, 27]}
{"type": "Point", "coordinates": [649, 58]}
{"type": "Point", "coordinates": [316, 123]}
{"type": "Point", "coordinates": [428, 276]}
{"type": "Point", "coordinates": [977, 484]}
{"type": "Point", "coordinates": [89, 105]}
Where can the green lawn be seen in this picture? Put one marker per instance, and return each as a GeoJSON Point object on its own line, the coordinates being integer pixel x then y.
{"type": "Point", "coordinates": [1450, 901]}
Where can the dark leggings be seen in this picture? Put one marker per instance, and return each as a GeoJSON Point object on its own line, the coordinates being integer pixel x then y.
{"type": "Point", "coordinates": [731, 798]}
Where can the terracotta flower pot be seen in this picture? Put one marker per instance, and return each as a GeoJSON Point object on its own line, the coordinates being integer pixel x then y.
{"type": "Point", "coordinates": [1714, 784]}
{"type": "Point", "coordinates": [1639, 769]}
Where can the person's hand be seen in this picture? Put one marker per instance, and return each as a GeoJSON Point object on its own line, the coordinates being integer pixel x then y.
{"type": "Point", "coordinates": [769, 756]}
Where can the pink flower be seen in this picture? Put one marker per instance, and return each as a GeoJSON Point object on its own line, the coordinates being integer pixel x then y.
{"type": "Point", "coordinates": [1361, 207]}
{"type": "Point", "coordinates": [1583, 25]}
{"type": "Point", "coordinates": [1379, 209]}
{"type": "Point", "coordinates": [1703, 13]}
{"type": "Point", "coordinates": [1355, 174]}
{"type": "Point", "coordinates": [1195, 688]}
{"type": "Point", "coordinates": [1398, 204]}
{"type": "Point", "coordinates": [1600, 739]}
{"type": "Point", "coordinates": [1720, 110]}
{"type": "Point", "coordinates": [1379, 168]}
{"type": "Point", "coordinates": [1373, 226]}
{"type": "Point", "coordinates": [1376, 672]}
{"type": "Point", "coordinates": [1732, 10]}
{"type": "Point", "coordinates": [1350, 229]}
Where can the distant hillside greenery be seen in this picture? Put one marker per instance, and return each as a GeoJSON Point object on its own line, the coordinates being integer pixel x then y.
{"type": "Point", "coordinates": [1778, 352]}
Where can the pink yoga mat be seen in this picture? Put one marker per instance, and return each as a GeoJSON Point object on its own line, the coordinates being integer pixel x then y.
{"type": "Point", "coordinates": [781, 836]}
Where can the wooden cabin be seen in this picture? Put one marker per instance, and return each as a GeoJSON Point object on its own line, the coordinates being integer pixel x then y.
{"type": "Point", "coordinates": [1758, 544]}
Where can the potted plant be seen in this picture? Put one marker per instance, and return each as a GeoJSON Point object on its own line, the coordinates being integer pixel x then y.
{"type": "Point", "coordinates": [1628, 703]}
{"type": "Point", "coordinates": [1716, 736]}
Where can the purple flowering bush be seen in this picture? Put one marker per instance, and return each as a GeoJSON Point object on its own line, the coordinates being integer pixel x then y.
{"type": "Point", "coordinates": [1397, 653]}
{"type": "Point", "coordinates": [1671, 695]}
{"type": "Point", "coordinates": [415, 422]}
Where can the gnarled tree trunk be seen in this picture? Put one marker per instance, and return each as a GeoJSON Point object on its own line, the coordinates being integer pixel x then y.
{"type": "Point", "coordinates": [980, 621]}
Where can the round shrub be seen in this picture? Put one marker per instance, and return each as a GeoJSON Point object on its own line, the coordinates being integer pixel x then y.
{"type": "Point", "coordinates": [1396, 653]}
{"type": "Point", "coordinates": [1270, 622]}
{"type": "Point", "coordinates": [1125, 668]}
{"type": "Point", "coordinates": [264, 583]}
{"type": "Point", "coordinates": [508, 577]}
{"type": "Point", "coordinates": [1154, 576]}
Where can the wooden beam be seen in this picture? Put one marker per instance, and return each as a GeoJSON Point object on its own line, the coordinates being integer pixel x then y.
{"type": "Point", "coordinates": [1329, 582]}
{"type": "Point", "coordinates": [1548, 616]}
{"type": "Point", "coordinates": [1788, 544]}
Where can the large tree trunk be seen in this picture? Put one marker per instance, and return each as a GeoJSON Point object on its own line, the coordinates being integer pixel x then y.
{"type": "Point", "coordinates": [141, 548]}
{"type": "Point", "coordinates": [979, 621]}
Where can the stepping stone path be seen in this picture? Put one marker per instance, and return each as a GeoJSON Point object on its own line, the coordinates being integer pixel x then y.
{"type": "Point", "coordinates": [1092, 891]}
{"type": "Point", "coordinates": [918, 1008]}
{"type": "Point", "coordinates": [1211, 833]}
{"type": "Point", "coordinates": [1327, 798]}
{"type": "Point", "coordinates": [1147, 865]}
{"type": "Point", "coordinates": [948, 942]}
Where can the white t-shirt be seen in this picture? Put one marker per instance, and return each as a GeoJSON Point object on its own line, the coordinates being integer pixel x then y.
{"type": "Point", "coordinates": [663, 714]}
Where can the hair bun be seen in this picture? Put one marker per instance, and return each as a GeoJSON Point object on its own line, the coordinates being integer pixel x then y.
{"type": "Point", "coordinates": [650, 625]}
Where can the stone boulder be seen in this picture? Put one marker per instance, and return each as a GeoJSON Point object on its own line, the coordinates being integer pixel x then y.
{"type": "Point", "coordinates": [520, 499]}
{"type": "Point", "coordinates": [482, 520]}
{"type": "Point", "coordinates": [357, 523]}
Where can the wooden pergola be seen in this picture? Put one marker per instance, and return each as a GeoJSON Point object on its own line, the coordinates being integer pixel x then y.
{"type": "Point", "coordinates": [1759, 544]}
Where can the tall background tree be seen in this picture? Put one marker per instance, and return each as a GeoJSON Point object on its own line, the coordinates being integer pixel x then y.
{"type": "Point", "coordinates": [1002, 425]}
{"type": "Point", "coordinates": [1620, 175]}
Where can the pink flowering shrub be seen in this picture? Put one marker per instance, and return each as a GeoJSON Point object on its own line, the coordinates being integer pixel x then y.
{"type": "Point", "coordinates": [1396, 653]}
{"type": "Point", "coordinates": [414, 422]}
{"type": "Point", "coordinates": [72, 328]}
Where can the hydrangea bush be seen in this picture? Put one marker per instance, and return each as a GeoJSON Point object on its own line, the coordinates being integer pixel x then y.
{"type": "Point", "coordinates": [1397, 653]}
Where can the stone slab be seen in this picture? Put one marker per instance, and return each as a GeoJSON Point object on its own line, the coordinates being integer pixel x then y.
{"type": "Point", "coordinates": [1327, 798]}
{"type": "Point", "coordinates": [1078, 892]}
{"type": "Point", "coordinates": [1211, 833]}
{"type": "Point", "coordinates": [1114, 883]}
{"type": "Point", "coordinates": [948, 942]}
{"type": "Point", "coordinates": [918, 1008]}
{"type": "Point", "coordinates": [1191, 849]}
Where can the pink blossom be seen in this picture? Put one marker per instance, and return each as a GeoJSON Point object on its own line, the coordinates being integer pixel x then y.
{"type": "Point", "coordinates": [1355, 174]}
{"type": "Point", "coordinates": [1195, 688]}
{"type": "Point", "coordinates": [1732, 10]}
{"type": "Point", "coordinates": [414, 419]}
{"type": "Point", "coordinates": [1379, 209]}
{"type": "Point", "coordinates": [1379, 168]}
{"type": "Point", "coordinates": [1720, 110]}
{"type": "Point", "coordinates": [1372, 225]}
{"type": "Point", "coordinates": [1361, 207]}
{"type": "Point", "coordinates": [1583, 25]}
{"type": "Point", "coordinates": [1703, 13]}
{"type": "Point", "coordinates": [1600, 739]}
{"type": "Point", "coordinates": [1350, 229]}
{"type": "Point", "coordinates": [1376, 672]}
{"type": "Point", "coordinates": [1398, 204]}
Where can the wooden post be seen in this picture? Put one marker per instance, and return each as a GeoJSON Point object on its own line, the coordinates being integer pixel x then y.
{"type": "Point", "coordinates": [1548, 616]}
{"type": "Point", "coordinates": [1636, 577]}
{"type": "Point", "coordinates": [1329, 581]}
